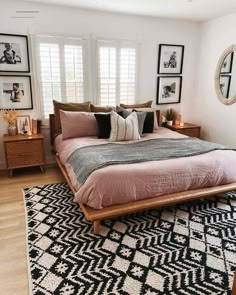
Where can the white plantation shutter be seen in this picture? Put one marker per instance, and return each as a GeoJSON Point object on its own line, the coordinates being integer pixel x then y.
{"type": "Point", "coordinates": [116, 73]}
{"type": "Point", "coordinates": [61, 71]}
{"type": "Point", "coordinates": [107, 75]}
{"type": "Point", "coordinates": [73, 69]}
{"type": "Point", "coordinates": [127, 75]}
{"type": "Point", "coordinates": [74, 73]}
{"type": "Point", "coordinates": [50, 75]}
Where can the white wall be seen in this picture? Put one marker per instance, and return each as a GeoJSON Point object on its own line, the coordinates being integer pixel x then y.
{"type": "Point", "coordinates": [148, 31]}
{"type": "Point", "coordinates": [218, 121]}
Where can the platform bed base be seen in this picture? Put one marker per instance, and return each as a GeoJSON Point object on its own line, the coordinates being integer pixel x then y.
{"type": "Point", "coordinates": [96, 216]}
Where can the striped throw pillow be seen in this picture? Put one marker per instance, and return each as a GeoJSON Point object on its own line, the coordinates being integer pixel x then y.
{"type": "Point", "coordinates": [124, 129]}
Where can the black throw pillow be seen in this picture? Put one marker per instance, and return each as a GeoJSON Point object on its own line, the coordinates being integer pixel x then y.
{"type": "Point", "coordinates": [104, 124]}
{"type": "Point", "coordinates": [148, 122]}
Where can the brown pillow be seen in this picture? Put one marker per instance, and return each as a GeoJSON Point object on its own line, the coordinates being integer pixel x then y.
{"type": "Point", "coordinates": [100, 109]}
{"type": "Point", "coordinates": [69, 106]}
{"type": "Point", "coordinates": [147, 104]}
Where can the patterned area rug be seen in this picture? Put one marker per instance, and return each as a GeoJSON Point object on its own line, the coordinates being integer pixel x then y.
{"type": "Point", "coordinates": [183, 249]}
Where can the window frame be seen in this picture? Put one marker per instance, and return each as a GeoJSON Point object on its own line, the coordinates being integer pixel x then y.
{"type": "Point", "coordinates": [61, 41]}
{"type": "Point", "coordinates": [90, 66]}
{"type": "Point", "coordinates": [118, 44]}
{"type": "Point", "coordinates": [136, 72]}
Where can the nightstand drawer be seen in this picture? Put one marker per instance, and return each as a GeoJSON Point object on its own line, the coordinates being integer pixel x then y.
{"type": "Point", "coordinates": [24, 151]}
{"type": "Point", "coordinates": [25, 159]}
{"type": "Point", "coordinates": [19, 147]}
{"type": "Point", "coordinates": [192, 132]}
{"type": "Point", "coordinates": [187, 129]}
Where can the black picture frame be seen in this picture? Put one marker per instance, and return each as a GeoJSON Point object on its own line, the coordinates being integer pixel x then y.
{"type": "Point", "coordinates": [20, 123]}
{"type": "Point", "coordinates": [7, 87]}
{"type": "Point", "coordinates": [22, 47]}
{"type": "Point", "coordinates": [167, 64]}
{"type": "Point", "coordinates": [225, 93]}
{"type": "Point", "coordinates": [230, 56]}
{"type": "Point", "coordinates": [170, 97]}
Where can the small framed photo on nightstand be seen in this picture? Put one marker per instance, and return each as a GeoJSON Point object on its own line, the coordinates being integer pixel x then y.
{"type": "Point", "coordinates": [23, 125]}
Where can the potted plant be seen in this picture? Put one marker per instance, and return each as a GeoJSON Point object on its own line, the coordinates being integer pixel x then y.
{"type": "Point", "coordinates": [170, 115]}
{"type": "Point", "coordinates": [10, 117]}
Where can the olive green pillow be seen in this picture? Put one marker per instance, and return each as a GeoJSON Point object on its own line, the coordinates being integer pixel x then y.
{"type": "Point", "coordinates": [100, 109]}
{"type": "Point", "coordinates": [147, 104]}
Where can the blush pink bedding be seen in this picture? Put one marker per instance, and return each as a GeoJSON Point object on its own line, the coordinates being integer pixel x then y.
{"type": "Point", "coordinates": [125, 183]}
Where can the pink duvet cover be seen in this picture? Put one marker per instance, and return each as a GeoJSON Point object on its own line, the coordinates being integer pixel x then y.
{"type": "Point", "coordinates": [125, 183]}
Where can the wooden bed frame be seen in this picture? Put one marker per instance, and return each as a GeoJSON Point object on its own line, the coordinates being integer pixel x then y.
{"type": "Point", "coordinates": [96, 216]}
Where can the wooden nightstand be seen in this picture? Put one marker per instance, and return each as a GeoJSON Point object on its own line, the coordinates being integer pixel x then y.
{"type": "Point", "coordinates": [188, 129]}
{"type": "Point", "coordinates": [24, 151]}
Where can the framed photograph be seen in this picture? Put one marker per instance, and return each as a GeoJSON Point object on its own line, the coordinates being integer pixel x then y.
{"type": "Point", "coordinates": [169, 89]}
{"type": "Point", "coordinates": [15, 92]}
{"type": "Point", "coordinates": [227, 64]}
{"type": "Point", "coordinates": [23, 125]}
{"type": "Point", "coordinates": [170, 59]}
{"type": "Point", "coordinates": [225, 81]}
{"type": "Point", "coordinates": [14, 53]}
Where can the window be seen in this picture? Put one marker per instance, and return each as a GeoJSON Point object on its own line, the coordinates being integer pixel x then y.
{"type": "Point", "coordinates": [116, 73]}
{"type": "Point", "coordinates": [50, 75]}
{"type": "Point", "coordinates": [61, 71]}
{"type": "Point", "coordinates": [67, 71]}
{"type": "Point", "coordinates": [74, 73]}
{"type": "Point", "coordinates": [107, 75]}
{"type": "Point", "coordinates": [127, 75]}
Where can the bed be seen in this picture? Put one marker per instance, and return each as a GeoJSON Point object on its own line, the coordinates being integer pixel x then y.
{"type": "Point", "coordinates": [97, 211]}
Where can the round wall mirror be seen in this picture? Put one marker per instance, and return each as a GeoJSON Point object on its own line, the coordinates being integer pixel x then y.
{"type": "Point", "coordinates": [225, 77]}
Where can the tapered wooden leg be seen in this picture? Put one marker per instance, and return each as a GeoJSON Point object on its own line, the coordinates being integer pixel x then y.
{"type": "Point", "coordinates": [42, 168]}
{"type": "Point", "coordinates": [10, 172]}
{"type": "Point", "coordinates": [96, 225]}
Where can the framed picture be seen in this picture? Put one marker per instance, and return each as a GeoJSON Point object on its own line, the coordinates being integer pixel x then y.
{"type": "Point", "coordinates": [227, 64]}
{"type": "Point", "coordinates": [15, 92]}
{"type": "Point", "coordinates": [14, 53]}
{"type": "Point", "coordinates": [23, 125]}
{"type": "Point", "coordinates": [169, 89]}
{"type": "Point", "coordinates": [225, 81]}
{"type": "Point", "coordinates": [170, 59]}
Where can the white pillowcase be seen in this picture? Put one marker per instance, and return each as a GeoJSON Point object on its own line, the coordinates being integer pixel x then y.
{"type": "Point", "coordinates": [124, 129]}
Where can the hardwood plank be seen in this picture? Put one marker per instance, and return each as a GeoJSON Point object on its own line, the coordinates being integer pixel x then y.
{"type": "Point", "coordinates": [13, 259]}
{"type": "Point", "coordinates": [234, 285]}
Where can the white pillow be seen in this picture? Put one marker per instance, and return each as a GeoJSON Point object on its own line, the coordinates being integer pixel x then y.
{"type": "Point", "coordinates": [124, 129]}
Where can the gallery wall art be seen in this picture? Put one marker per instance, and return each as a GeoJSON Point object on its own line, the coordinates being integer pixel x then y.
{"type": "Point", "coordinates": [14, 53]}
{"type": "Point", "coordinates": [15, 92]}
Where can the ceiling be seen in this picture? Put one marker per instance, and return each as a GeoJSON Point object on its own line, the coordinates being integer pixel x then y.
{"type": "Point", "coordinates": [195, 10]}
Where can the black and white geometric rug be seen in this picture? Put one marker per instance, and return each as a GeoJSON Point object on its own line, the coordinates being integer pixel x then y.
{"type": "Point", "coordinates": [184, 249]}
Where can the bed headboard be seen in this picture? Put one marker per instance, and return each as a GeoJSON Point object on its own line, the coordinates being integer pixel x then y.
{"type": "Point", "coordinates": [52, 125]}
{"type": "Point", "coordinates": [52, 128]}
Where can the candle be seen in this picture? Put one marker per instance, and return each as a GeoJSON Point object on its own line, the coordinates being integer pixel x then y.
{"type": "Point", "coordinates": [177, 119]}
{"type": "Point", "coordinates": [181, 124]}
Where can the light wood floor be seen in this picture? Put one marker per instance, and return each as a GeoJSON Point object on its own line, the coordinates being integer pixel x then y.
{"type": "Point", "coordinates": [13, 262]}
